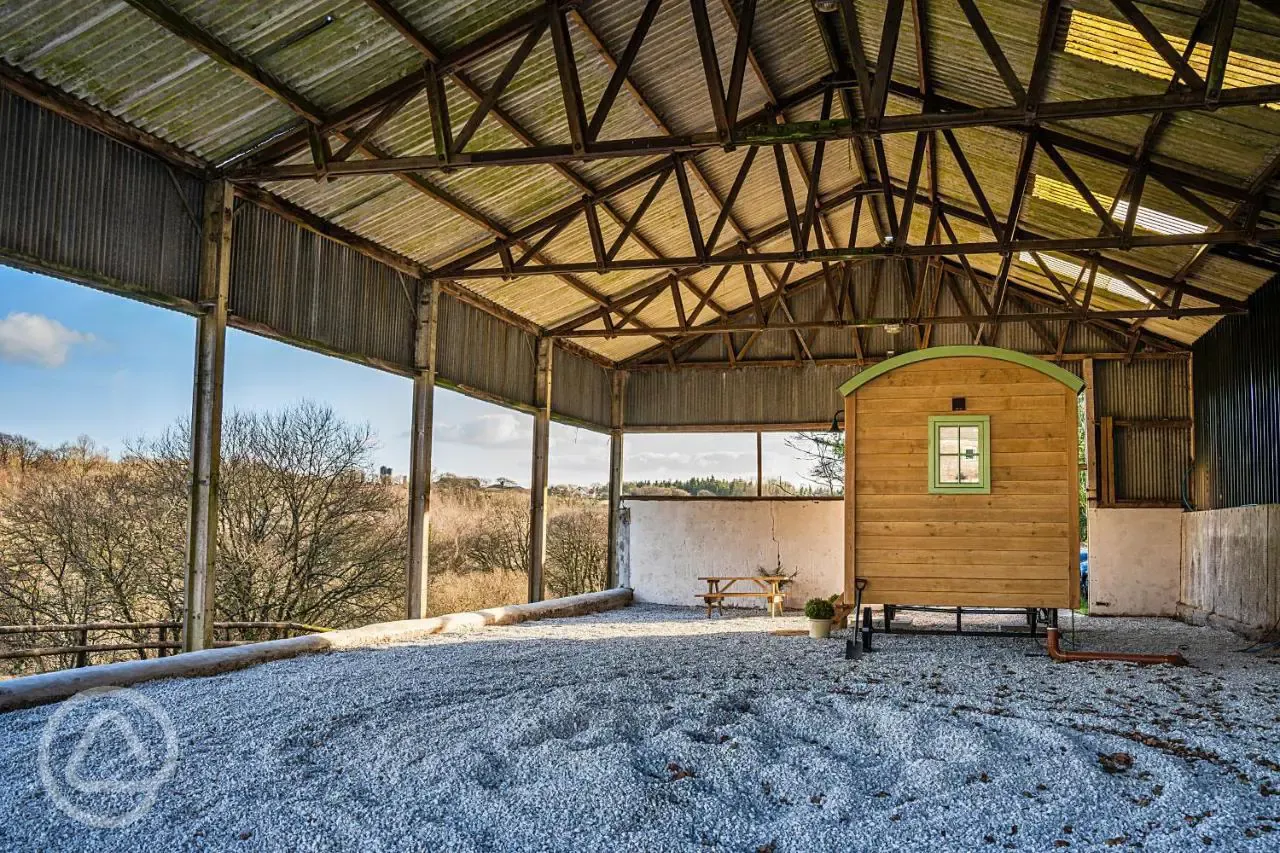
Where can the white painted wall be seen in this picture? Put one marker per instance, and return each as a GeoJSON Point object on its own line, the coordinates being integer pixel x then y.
{"type": "Point", "coordinates": [1135, 558]}
{"type": "Point", "coordinates": [673, 543]}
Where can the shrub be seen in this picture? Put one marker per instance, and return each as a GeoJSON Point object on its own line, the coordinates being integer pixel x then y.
{"type": "Point", "coordinates": [821, 608]}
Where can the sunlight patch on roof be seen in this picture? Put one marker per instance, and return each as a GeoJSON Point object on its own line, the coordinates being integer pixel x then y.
{"type": "Point", "coordinates": [1118, 43]}
{"type": "Point", "coordinates": [1148, 218]}
{"type": "Point", "coordinates": [1068, 272]}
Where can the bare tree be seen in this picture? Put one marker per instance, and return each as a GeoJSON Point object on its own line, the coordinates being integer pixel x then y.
{"type": "Point", "coordinates": [498, 538]}
{"type": "Point", "coordinates": [577, 549]}
{"type": "Point", "coordinates": [81, 542]}
{"type": "Point", "coordinates": [306, 532]}
{"type": "Point", "coordinates": [824, 451]}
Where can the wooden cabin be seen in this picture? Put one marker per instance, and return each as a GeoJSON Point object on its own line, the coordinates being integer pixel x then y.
{"type": "Point", "coordinates": [962, 480]}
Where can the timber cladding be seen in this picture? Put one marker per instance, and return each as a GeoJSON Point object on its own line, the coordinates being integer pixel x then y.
{"type": "Point", "coordinates": [1014, 545]}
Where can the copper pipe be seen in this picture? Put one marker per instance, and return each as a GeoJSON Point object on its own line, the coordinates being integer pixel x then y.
{"type": "Point", "coordinates": [1175, 659]}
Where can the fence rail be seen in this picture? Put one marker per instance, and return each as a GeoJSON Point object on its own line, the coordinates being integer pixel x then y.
{"type": "Point", "coordinates": [168, 636]}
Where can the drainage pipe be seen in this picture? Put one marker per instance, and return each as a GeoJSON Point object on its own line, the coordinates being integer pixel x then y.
{"type": "Point", "coordinates": [1175, 659]}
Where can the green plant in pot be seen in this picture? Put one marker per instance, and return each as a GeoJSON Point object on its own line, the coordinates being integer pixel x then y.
{"type": "Point", "coordinates": [821, 611]}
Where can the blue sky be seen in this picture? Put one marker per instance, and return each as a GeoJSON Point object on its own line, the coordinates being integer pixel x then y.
{"type": "Point", "coordinates": [75, 361]}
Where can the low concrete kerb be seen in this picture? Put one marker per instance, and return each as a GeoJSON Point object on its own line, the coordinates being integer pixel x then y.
{"type": "Point", "coordinates": [42, 689]}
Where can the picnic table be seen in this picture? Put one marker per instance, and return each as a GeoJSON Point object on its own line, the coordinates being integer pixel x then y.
{"type": "Point", "coordinates": [768, 587]}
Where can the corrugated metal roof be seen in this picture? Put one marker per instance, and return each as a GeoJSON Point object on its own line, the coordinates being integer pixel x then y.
{"type": "Point", "coordinates": [336, 52]}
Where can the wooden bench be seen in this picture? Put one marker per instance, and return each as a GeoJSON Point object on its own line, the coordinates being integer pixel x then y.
{"type": "Point", "coordinates": [768, 587]}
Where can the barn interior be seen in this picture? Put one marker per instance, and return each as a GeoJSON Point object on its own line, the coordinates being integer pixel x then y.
{"type": "Point", "coordinates": [648, 216]}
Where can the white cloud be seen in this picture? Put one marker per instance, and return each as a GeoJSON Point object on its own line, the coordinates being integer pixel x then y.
{"type": "Point", "coordinates": [496, 430]}
{"type": "Point", "coordinates": [37, 339]}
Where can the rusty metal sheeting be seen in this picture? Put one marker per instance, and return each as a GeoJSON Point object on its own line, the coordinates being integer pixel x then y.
{"type": "Point", "coordinates": [1152, 455]}
{"type": "Point", "coordinates": [312, 290]}
{"type": "Point", "coordinates": [735, 398]}
{"type": "Point", "coordinates": [1237, 401]}
{"type": "Point", "coordinates": [127, 224]}
{"type": "Point", "coordinates": [580, 390]}
{"type": "Point", "coordinates": [1142, 389]}
{"type": "Point", "coordinates": [1152, 464]}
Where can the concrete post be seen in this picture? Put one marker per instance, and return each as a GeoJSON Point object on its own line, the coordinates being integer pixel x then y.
{"type": "Point", "coordinates": [206, 416]}
{"type": "Point", "coordinates": [538, 480]}
{"type": "Point", "coordinates": [616, 418]}
{"type": "Point", "coordinates": [424, 389]}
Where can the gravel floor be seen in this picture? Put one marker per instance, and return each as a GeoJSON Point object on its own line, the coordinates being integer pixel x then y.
{"type": "Point", "coordinates": [656, 729]}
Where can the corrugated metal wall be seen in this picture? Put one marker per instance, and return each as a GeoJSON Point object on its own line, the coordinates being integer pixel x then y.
{"type": "Point", "coordinates": [81, 206]}
{"type": "Point", "coordinates": [1151, 457]}
{"type": "Point", "coordinates": [482, 355]}
{"type": "Point", "coordinates": [1237, 399]}
{"type": "Point", "coordinates": [319, 292]}
{"type": "Point", "coordinates": [580, 389]}
{"type": "Point", "coordinates": [477, 351]}
{"type": "Point", "coordinates": [748, 396]}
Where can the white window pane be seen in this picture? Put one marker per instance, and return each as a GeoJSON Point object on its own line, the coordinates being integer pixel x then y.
{"type": "Point", "coordinates": [969, 440]}
{"type": "Point", "coordinates": [948, 469]}
{"type": "Point", "coordinates": [969, 470]}
{"type": "Point", "coordinates": [949, 440]}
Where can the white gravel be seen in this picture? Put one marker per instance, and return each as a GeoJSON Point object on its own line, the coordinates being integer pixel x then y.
{"type": "Point", "coordinates": [654, 729]}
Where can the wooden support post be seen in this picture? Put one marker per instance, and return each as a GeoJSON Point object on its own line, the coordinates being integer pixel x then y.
{"type": "Point", "coordinates": [617, 418]}
{"type": "Point", "coordinates": [424, 389]}
{"type": "Point", "coordinates": [1108, 463]}
{"type": "Point", "coordinates": [538, 480]}
{"type": "Point", "coordinates": [759, 464]}
{"type": "Point", "coordinates": [206, 416]}
{"type": "Point", "coordinates": [1090, 436]}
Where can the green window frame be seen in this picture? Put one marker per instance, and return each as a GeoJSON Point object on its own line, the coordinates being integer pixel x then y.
{"type": "Point", "coordinates": [953, 445]}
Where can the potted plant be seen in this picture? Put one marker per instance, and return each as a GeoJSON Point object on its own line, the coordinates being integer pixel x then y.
{"type": "Point", "coordinates": [820, 612]}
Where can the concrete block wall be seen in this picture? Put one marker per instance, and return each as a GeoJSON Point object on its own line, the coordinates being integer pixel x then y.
{"type": "Point", "coordinates": [1231, 568]}
{"type": "Point", "coordinates": [1220, 567]}
{"type": "Point", "coordinates": [1135, 561]}
{"type": "Point", "coordinates": [671, 543]}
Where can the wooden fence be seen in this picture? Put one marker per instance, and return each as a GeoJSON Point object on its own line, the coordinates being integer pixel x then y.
{"type": "Point", "coordinates": [167, 637]}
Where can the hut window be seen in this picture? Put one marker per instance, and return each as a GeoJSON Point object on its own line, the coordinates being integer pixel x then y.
{"type": "Point", "coordinates": [960, 454]}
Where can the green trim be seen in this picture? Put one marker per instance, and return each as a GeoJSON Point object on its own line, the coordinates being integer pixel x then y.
{"type": "Point", "coordinates": [983, 486]}
{"type": "Point", "coordinates": [1049, 369]}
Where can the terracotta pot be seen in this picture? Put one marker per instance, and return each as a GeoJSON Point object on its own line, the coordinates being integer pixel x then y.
{"type": "Point", "coordinates": [819, 629]}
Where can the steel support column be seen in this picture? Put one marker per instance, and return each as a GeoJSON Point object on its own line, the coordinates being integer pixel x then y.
{"type": "Point", "coordinates": [424, 390]}
{"type": "Point", "coordinates": [206, 416]}
{"type": "Point", "coordinates": [538, 480]}
{"type": "Point", "coordinates": [617, 416]}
